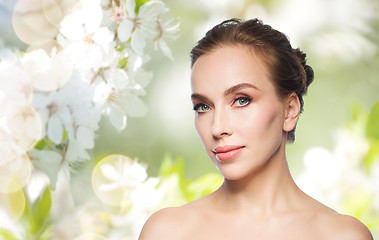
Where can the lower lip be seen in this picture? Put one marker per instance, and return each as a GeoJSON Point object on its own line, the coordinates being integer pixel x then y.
{"type": "Point", "coordinates": [228, 155]}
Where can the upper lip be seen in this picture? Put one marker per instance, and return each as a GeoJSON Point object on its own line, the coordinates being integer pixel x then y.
{"type": "Point", "coordinates": [226, 148]}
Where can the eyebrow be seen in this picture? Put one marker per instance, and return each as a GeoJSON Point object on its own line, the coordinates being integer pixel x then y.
{"type": "Point", "coordinates": [238, 87]}
{"type": "Point", "coordinates": [199, 97]}
{"type": "Point", "coordinates": [228, 91]}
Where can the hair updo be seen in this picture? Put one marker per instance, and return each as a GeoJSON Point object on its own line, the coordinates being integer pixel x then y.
{"type": "Point", "coordinates": [287, 66]}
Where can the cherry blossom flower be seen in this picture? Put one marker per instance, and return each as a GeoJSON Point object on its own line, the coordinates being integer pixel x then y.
{"type": "Point", "coordinates": [119, 96]}
{"type": "Point", "coordinates": [70, 110]}
{"type": "Point", "coordinates": [167, 30]}
{"type": "Point", "coordinates": [84, 39]}
{"type": "Point", "coordinates": [139, 26]}
{"type": "Point", "coordinates": [47, 73]}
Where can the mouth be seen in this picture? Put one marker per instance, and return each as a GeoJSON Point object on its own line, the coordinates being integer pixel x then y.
{"type": "Point", "coordinates": [227, 152]}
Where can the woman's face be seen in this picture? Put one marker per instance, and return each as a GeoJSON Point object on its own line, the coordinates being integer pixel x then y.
{"type": "Point", "coordinates": [239, 116]}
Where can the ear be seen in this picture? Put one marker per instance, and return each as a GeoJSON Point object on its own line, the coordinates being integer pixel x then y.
{"type": "Point", "coordinates": [292, 111]}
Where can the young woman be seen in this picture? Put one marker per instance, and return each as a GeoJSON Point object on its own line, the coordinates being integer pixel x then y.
{"type": "Point", "coordinates": [248, 86]}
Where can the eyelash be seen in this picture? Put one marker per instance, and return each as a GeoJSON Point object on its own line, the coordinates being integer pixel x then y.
{"type": "Point", "coordinates": [197, 107]}
{"type": "Point", "coordinates": [245, 98]}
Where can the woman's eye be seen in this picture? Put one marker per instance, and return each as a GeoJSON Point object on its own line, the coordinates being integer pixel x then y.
{"type": "Point", "coordinates": [201, 108]}
{"type": "Point", "coordinates": [242, 101]}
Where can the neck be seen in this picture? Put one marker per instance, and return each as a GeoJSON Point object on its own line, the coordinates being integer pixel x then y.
{"type": "Point", "coordinates": [271, 188]}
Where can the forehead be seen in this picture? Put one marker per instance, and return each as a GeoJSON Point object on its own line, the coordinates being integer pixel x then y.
{"type": "Point", "coordinates": [227, 66]}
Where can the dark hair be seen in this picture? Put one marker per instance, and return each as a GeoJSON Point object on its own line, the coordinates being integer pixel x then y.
{"type": "Point", "coordinates": [287, 66]}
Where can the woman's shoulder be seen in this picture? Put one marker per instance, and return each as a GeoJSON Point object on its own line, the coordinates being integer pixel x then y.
{"type": "Point", "coordinates": [162, 223]}
{"type": "Point", "coordinates": [330, 224]}
{"type": "Point", "coordinates": [169, 223]}
{"type": "Point", "coordinates": [344, 227]}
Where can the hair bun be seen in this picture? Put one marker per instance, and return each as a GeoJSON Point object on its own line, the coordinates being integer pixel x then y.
{"type": "Point", "coordinates": [309, 74]}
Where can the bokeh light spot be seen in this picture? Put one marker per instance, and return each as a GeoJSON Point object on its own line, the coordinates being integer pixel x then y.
{"type": "Point", "coordinates": [30, 22]}
{"type": "Point", "coordinates": [25, 124]}
{"type": "Point", "coordinates": [15, 168]}
{"type": "Point", "coordinates": [112, 181]}
{"type": "Point", "coordinates": [52, 12]}
{"type": "Point", "coordinates": [13, 203]}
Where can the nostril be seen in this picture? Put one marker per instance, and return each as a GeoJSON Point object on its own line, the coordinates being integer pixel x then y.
{"type": "Point", "coordinates": [221, 125]}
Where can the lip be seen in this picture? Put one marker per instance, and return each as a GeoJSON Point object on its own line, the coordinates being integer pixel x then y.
{"type": "Point", "coordinates": [227, 152]}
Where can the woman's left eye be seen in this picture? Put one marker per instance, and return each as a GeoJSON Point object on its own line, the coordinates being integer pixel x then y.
{"type": "Point", "coordinates": [241, 101]}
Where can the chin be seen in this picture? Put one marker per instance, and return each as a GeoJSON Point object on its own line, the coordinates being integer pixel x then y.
{"type": "Point", "coordinates": [235, 172]}
{"type": "Point", "coordinates": [232, 173]}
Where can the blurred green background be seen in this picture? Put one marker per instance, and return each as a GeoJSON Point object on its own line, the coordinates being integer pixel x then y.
{"type": "Point", "coordinates": [341, 39]}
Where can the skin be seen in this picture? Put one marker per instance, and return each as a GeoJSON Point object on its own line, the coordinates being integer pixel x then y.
{"type": "Point", "coordinates": [236, 104]}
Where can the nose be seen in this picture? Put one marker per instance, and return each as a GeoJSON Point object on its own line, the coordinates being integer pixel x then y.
{"type": "Point", "coordinates": [221, 125]}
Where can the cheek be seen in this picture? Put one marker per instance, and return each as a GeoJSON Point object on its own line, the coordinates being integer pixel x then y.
{"type": "Point", "coordinates": [261, 123]}
{"type": "Point", "coordinates": [201, 128]}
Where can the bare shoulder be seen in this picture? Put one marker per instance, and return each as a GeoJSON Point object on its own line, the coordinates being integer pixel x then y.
{"type": "Point", "coordinates": [347, 228]}
{"type": "Point", "coordinates": [163, 224]}
{"type": "Point", "coordinates": [173, 223]}
{"type": "Point", "coordinates": [176, 222]}
{"type": "Point", "coordinates": [330, 224]}
{"type": "Point", "coordinates": [353, 228]}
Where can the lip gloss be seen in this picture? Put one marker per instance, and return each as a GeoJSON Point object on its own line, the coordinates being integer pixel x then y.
{"type": "Point", "coordinates": [228, 152]}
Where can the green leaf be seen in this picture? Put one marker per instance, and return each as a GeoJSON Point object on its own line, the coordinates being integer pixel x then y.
{"type": "Point", "coordinates": [5, 234]}
{"type": "Point", "coordinates": [372, 133]}
{"type": "Point", "coordinates": [17, 202]}
{"type": "Point", "coordinates": [358, 112]}
{"type": "Point", "coordinates": [120, 47]}
{"type": "Point", "coordinates": [172, 174]}
{"type": "Point", "coordinates": [45, 142]}
{"type": "Point", "coordinates": [372, 126]}
{"type": "Point", "coordinates": [169, 167]}
{"type": "Point", "coordinates": [123, 62]}
{"type": "Point", "coordinates": [204, 185]}
{"type": "Point", "coordinates": [40, 212]}
{"type": "Point", "coordinates": [372, 154]}
{"type": "Point", "coordinates": [40, 144]}
{"type": "Point", "coordinates": [139, 3]}
{"type": "Point", "coordinates": [174, 195]}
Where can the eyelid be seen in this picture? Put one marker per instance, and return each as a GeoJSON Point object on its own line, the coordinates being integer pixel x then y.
{"type": "Point", "coordinates": [235, 100]}
{"type": "Point", "coordinates": [239, 96]}
{"type": "Point", "coordinates": [197, 106]}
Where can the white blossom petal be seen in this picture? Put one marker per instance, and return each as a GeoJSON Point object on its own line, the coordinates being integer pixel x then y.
{"type": "Point", "coordinates": [165, 49]}
{"type": "Point", "coordinates": [134, 106]}
{"type": "Point", "coordinates": [151, 9]}
{"type": "Point", "coordinates": [138, 42]}
{"type": "Point", "coordinates": [55, 129]}
{"type": "Point", "coordinates": [76, 153]}
{"type": "Point", "coordinates": [85, 137]}
{"type": "Point", "coordinates": [143, 78]}
{"type": "Point", "coordinates": [137, 173]}
{"type": "Point", "coordinates": [70, 27]}
{"type": "Point", "coordinates": [118, 78]}
{"type": "Point", "coordinates": [109, 172]}
{"type": "Point", "coordinates": [130, 8]}
{"type": "Point", "coordinates": [125, 30]}
{"type": "Point", "coordinates": [117, 118]}
{"type": "Point", "coordinates": [103, 36]}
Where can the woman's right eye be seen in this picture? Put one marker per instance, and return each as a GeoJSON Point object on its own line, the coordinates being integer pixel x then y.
{"type": "Point", "coordinates": [200, 108]}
